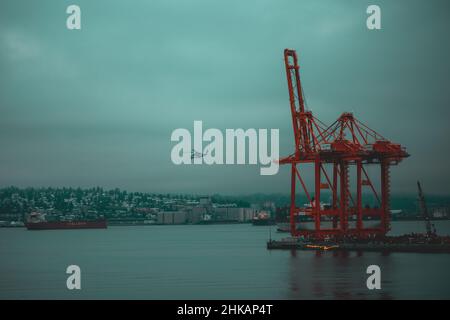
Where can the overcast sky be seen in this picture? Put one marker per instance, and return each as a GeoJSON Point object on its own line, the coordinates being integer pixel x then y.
{"type": "Point", "coordinates": [96, 107]}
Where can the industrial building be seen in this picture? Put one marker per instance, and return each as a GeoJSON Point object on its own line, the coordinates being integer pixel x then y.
{"type": "Point", "coordinates": [171, 217]}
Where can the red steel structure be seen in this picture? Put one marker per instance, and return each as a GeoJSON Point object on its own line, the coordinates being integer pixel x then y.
{"type": "Point", "coordinates": [346, 144]}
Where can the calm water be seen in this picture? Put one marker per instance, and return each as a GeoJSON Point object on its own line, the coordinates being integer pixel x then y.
{"type": "Point", "coordinates": [206, 262]}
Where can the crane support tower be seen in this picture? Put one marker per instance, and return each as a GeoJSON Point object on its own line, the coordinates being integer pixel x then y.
{"type": "Point", "coordinates": [332, 151]}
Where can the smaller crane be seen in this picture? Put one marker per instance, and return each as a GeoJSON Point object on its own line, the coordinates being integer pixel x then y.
{"type": "Point", "coordinates": [424, 211]}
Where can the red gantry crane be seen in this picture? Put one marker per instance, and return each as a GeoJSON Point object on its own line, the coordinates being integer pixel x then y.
{"type": "Point", "coordinates": [333, 150]}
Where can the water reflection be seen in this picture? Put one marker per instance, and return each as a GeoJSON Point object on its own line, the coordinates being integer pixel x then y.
{"type": "Point", "coordinates": [336, 275]}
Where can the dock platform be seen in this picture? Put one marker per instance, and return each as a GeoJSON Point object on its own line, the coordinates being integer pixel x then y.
{"type": "Point", "coordinates": [294, 244]}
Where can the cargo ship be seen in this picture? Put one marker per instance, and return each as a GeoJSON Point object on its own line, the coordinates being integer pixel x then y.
{"type": "Point", "coordinates": [36, 221]}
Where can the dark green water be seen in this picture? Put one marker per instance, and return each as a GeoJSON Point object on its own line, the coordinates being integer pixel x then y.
{"type": "Point", "coordinates": [206, 262]}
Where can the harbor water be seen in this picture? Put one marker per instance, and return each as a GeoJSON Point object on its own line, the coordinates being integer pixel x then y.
{"type": "Point", "coordinates": [207, 262]}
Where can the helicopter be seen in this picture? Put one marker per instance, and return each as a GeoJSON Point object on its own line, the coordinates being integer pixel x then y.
{"type": "Point", "coordinates": [195, 154]}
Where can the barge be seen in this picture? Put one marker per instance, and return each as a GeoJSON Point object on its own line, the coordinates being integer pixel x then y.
{"type": "Point", "coordinates": [411, 244]}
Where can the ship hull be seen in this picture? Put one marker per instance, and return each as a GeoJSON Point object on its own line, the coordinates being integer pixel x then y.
{"type": "Point", "coordinates": [57, 225]}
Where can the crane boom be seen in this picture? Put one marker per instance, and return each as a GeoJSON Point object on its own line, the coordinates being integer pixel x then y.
{"type": "Point", "coordinates": [299, 117]}
{"type": "Point", "coordinates": [424, 210]}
